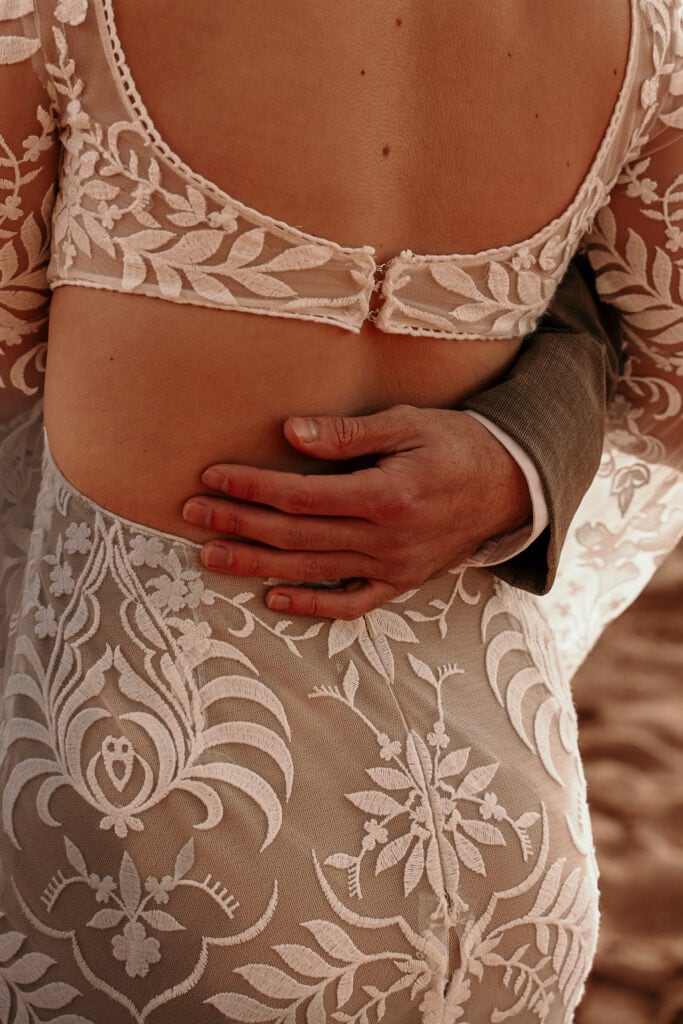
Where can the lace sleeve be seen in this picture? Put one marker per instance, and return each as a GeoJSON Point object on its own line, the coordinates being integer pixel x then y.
{"type": "Point", "coordinates": [632, 515]}
{"type": "Point", "coordinates": [637, 252]}
{"type": "Point", "coordinates": [28, 169]}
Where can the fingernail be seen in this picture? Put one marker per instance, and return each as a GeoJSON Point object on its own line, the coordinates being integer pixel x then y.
{"type": "Point", "coordinates": [216, 556]}
{"type": "Point", "coordinates": [197, 511]}
{"type": "Point", "coordinates": [278, 602]}
{"type": "Point", "coordinates": [214, 479]}
{"type": "Point", "coordinates": [305, 429]}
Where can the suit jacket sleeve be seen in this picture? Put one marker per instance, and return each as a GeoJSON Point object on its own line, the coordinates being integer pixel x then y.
{"type": "Point", "coordinates": [553, 404]}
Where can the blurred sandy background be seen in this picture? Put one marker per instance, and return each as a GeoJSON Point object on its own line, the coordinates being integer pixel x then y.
{"type": "Point", "coordinates": [630, 700]}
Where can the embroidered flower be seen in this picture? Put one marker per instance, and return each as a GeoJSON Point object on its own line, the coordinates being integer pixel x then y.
{"type": "Point", "coordinates": [523, 260]}
{"type": "Point", "coordinates": [195, 638]}
{"type": "Point", "coordinates": [196, 591]}
{"type": "Point", "coordinates": [597, 538]}
{"type": "Point", "coordinates": [77, 122]}
{"type": "Point", "coordinates": [147, 551]}
{"type": "Point", "coordinates": [137, 949]}
{"type": "Point", "coordinates": [225, 219]}
{"type": "Point", "coordinates": [11, 208]}
{"type": "Point", "coordinates": [108, 214]}
{"type": "Point", "coordinates": [62, 580]}
{"type": "Point", "coordinates": [170, 594]}
{"type": "Point", "coordinates": [71, 12]}
{"type": "Point", "coordinates": [643, 188]}
{"type": "Point", "coordinates": [104, 887]}
{"type": "Point", "coordinates": [491, 808]}
{"type": "Point", "coordinates": [121, 823]}
{"type": "Point", "coordinates": [75, 115]}
{"type": "Point", "coordinates": [184, 589]}
{"type": "Point", "coordinates": [34, 144]}
{"type": "Point", "coordinates": [438, 738]}
{"type": "Point", "coordinates": [376, 833]}
{"type": "Point", "coordinates": [78, 539]}
{"type": "Point", "coordinates": [675, 238]}
{"type": "Point", "coordinates": [46, 623]}
{"type": "Point", "coordinates": [388, 748]}
{"type": "Point", "coordinates": [160, 888]}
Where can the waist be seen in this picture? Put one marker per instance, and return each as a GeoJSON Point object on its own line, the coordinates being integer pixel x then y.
{"type": "Point", "coordinates": [142, 395]}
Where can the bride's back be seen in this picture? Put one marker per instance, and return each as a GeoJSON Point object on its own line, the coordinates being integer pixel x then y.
{"type": "Point", "coordinates": [439, 127]}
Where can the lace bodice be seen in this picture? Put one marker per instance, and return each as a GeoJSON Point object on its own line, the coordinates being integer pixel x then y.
{"type": "Point", "coordinates": [131, 216]}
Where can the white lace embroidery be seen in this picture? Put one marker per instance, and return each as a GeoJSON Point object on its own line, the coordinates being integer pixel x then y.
{"type": "Point", "coordinates": [24, 233]}
{"type": "Point", "coordinates": [312, 821]}
{"type": "Point", "coordinates": [131, 216]}
{"type": "Point", "coordinates": [133, 668]}
{"type": "Point", "coordinates": [15, 48]}
{"type": "Point", "coordinates": [633, 513]}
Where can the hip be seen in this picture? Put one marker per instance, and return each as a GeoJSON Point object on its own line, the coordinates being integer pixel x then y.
{"type": "Point", "coordinates": [406, 785]}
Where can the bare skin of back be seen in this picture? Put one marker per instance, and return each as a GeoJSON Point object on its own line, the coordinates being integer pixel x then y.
{"type": "Point", "coordinates": [431, 126]}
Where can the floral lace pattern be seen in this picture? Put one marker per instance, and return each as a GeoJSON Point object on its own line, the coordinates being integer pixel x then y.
{"type": "Point", "coordinates": [24, 232]}
{"type": "Point", "coordinates": [132, 217]}
{"type": "Point", "coordinates": [447, 872]}
{"type": "Point", "coordinates": [633, 513]}
{"type": "Point", "coordinates": [246, 818]}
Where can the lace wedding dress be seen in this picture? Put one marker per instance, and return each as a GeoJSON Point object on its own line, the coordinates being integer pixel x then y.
{"type": "Point", "coordinates": [212, 812]}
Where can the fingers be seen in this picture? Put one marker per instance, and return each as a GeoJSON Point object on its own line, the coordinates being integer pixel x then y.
{"type": "Point", "coordinates": [314, 567]}
{"type": "Point", "coordinates": [350, 494]}
{"type": "Point", "coordinates": [278, 529]}
{"type": "Point", "coordinates": [357, 598]}
{"type": "Point", "coordinates": [347, 437]}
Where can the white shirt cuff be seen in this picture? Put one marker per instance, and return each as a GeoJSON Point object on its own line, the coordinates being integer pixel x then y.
{"type": "Point", "coordinates": [500, 549]}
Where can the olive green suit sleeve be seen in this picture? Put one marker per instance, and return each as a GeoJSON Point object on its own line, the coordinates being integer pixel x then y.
{"type": "Point", "coordinates": [552, 403]}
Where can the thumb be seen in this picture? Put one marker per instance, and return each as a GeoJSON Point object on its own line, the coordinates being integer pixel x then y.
{"type": "Point", "coordinates": [346, 437]}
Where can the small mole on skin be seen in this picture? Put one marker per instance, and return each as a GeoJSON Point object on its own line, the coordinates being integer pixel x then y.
{"type": "Point", "coordinates": [386, 150]}
{"type": "Point", "coordinates": [362, 71]}
{"type": "Point", "coordinates": [399, 22]}
{"type": "Point", "coordinates": [509, 53]}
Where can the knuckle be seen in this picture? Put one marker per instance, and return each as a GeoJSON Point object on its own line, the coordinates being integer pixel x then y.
{"type": "Point", "coordinates": [404, 409]}
{"type": "Point", "coordinates": [249, 489]}
{"type": "Point", "coordinates": [315, 568]}
{"type": "Point", "coordinates": [300, 502]}
{"type": "Point", "coordinates": [396, 508]}
{"type": "Point", "coordinates": [297, 538]}
{"type": "Point", "coordinates": [347, 430]}
{"type": "Point", "coordinates": [228, 522]}
{"type": "Point", "coordinates": [252, 564]}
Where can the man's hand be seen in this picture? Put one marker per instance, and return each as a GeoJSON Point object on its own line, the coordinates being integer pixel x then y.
{"type": "Point", "coordinates": [439, 485]}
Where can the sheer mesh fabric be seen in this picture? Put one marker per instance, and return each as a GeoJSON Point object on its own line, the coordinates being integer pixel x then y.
{"type": "Point", "coordinates": [208, 846]}
{"type": "Point", "coordinates": [207, 810]}
{"type": "Point", "coordinates": [131, 216]}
